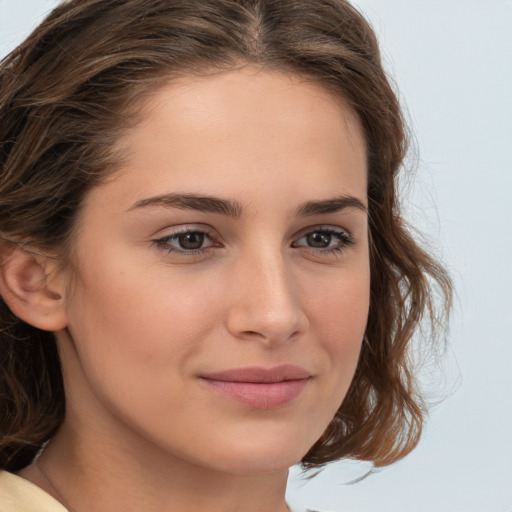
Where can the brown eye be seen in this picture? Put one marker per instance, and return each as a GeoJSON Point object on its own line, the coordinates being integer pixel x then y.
{"type": "Point", "coordinates": [324, 240]}
{"type": "Point", "coordinates": [191, 241]}
{"type": "Point", "coordinates": [187, 242]}
{"type": "Point", "coordinates": [319, 239]}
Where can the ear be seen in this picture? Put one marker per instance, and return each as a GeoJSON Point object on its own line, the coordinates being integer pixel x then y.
{"type": "Point", "coordinates": [30, 286]}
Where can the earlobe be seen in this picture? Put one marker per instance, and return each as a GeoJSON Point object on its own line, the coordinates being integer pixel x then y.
{"type": "Point", "coordinates": [30, 290]}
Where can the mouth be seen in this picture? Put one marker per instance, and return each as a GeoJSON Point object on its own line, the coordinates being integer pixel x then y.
{"type": "Point", "coordinates": [259, 388]}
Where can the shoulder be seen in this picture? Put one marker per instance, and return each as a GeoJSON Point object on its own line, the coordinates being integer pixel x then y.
{"type": "Point", "coordinates": [19, 495]}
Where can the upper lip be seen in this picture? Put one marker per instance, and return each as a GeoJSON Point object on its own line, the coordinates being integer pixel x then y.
{"type": "Point", "coordinates": [259, 374]}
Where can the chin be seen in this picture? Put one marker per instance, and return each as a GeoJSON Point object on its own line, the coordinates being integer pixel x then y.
{"type": "Point", "coordinates": [252, 454]}
{"type": "Point", "coordinates": [258, 463]}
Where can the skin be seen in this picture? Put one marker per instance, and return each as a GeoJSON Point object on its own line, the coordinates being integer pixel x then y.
{"type": "Point", "coordinates": [142, 324]}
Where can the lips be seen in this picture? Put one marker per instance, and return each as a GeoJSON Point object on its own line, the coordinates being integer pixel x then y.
{"type": "Point", "coordinates": [259, 388]}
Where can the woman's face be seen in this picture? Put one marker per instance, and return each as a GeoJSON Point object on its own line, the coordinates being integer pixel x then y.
{"type": "Point", "coordinates": [219, 292]}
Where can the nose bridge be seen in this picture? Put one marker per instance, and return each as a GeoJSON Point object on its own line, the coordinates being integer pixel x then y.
{"type": "Point", "coordinates": [267, 305]}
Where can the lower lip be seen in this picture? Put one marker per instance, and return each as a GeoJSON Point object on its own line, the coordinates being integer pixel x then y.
{"type": "Point", "coordinates": [258, 395]}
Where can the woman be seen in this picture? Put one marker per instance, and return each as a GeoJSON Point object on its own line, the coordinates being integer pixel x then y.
{"type": "Point", "coordinates": [204, 272]}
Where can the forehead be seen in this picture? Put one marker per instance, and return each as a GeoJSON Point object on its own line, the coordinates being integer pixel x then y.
{"type": "Point", "coordinates": [247, 127]}
{"type": "Point", "coordinates": [269, 100]}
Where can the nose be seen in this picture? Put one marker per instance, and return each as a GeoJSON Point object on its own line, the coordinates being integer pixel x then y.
{"type": "Point", "coordinates": [266, 303]}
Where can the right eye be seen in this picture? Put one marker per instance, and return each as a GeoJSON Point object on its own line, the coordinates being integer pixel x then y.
{"type": "Point", "coordinates": [187, 241]}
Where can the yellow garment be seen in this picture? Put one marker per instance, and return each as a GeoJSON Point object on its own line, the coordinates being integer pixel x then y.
{"type": "Point", "coordinates": [19, 495]}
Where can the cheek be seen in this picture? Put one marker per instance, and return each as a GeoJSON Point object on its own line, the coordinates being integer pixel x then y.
{"type": "Point", "coordinates": [137, 335]}
{"type": "Point", "coordinates": [339, 314]}
{"type": "Point", "coordinates": [140, 332]}
{"type": "Point", "coordinates": [144, 317]}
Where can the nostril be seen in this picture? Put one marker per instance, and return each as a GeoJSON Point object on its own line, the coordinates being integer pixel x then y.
{"type": "Point", "coordinates": [254, 333]}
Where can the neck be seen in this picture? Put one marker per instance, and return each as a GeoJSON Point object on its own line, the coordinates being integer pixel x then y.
{"type": "Point", "coordinates": [94, 478]}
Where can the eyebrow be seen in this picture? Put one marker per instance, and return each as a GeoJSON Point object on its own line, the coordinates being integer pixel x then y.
{"type": "Point", "coordinates": [234, 209]}
{"type": "Point", "coordinates": [193, 202]}
{"type": "Point", "coordinates": [331, 206]}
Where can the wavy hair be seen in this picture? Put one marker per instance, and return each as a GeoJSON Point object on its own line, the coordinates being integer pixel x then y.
{"type": "Point", "coordinates": [72, 88]}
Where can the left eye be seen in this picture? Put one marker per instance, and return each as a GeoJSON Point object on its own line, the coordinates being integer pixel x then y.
{"type": "Point", "coordinates": [324, 239]}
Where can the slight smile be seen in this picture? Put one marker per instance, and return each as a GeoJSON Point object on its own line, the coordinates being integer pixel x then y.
{"type": "Point", "coordinates": [260, 388]}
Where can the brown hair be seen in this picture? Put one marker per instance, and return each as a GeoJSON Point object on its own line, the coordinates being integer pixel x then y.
{"type": "Point", "coordinates": [66, 95]}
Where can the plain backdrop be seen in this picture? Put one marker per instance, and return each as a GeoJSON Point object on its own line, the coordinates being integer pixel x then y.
{"type": "Point", "coordinates": [452, 63]}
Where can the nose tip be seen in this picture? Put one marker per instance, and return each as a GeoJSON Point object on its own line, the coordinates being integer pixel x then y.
{"type": "Point", "coordinates": [271, 328]}
{"type": "Point", "coordinates": [267, 307]}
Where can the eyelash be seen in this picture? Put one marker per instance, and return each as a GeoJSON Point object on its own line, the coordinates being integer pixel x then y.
{"type": "Point", "coordinates": [344, 238]}
{"type": "Point", "coordinates": [164, 242]}
{"type": "Point", "coordinates": [345, 241]}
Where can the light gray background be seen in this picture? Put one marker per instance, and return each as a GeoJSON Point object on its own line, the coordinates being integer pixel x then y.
{"type": "Point", "coordinates": [452, 62]}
